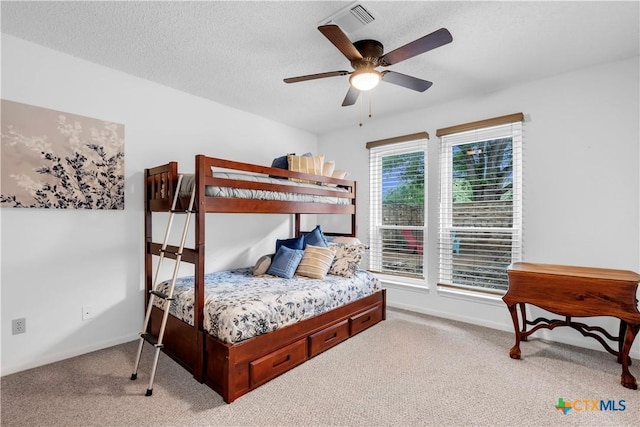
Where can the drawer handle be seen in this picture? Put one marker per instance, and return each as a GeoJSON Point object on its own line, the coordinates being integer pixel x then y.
{"type": "Point", "coordinates": [335, 334]}
{"type": "Point", "coordinates": [281, 361]}
{"type": "Point", "coordinates": [366, 320]}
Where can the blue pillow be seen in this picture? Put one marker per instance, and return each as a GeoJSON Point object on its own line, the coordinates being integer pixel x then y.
{"type": "Point", "coordinates": [285, 262]}
{"type": "Point", "coordinates": [315, 238]}
{"type": "Point", "coordinates": [281, 162]}
{"type": "Point", "coordinates": [295, 243]}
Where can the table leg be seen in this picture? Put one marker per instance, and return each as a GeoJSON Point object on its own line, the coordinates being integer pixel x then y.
{"type": "Point", "coordinates": [523, 316]}
{"type": "Point", "coordinates": [514, 353]}
{"type": "Point", "coordinates": [621, 334]}
{"type": "Point", "coordinates": [627, 380]}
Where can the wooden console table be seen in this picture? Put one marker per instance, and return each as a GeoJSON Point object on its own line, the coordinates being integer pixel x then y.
{"type": "Point", "coordinates": [581, 292]}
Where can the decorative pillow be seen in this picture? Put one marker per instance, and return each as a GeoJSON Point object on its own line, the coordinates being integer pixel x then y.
{"type": "Point", "coordinates": [285, 262]}
{"type": "Point", "coordinates": [339, 174]}
{"type": "Point", "coordinates": [294, 243]}
{"type": "Point", "coordinates": [346, 240]}
{"type": "Point", "coordinates": [280, 163]}
{"type": "Point", "coordinates": [347, 259]}
{"type": "Point", "coordinates": [315, 237]}
{"type": "Point", "coordinates": [328, 168]}
{"type": "Point", "coordinates": [316, 262]}
{"type": "Point", "coordinates": [262, 265]}
{"type": "Point", "coordinates": [306, 164]}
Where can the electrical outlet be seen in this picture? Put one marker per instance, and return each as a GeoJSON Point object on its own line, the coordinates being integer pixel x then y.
{"type": "Point", "coordinates": [87, 312]}
{"type": "Point", "coordinates": [18, 326]}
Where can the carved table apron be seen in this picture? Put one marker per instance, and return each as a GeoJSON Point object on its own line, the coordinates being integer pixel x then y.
{"type": "Point", "coordinates": [581, 292]}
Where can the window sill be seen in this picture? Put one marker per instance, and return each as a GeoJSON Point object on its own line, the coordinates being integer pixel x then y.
{"type": "Point", "coordinates": [407, 283]}
{"type": "Point", "coordinates": [469, 295]}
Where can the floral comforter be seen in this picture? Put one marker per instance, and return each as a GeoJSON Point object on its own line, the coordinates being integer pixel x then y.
{"type": "Point", "coordinates": [239, 305]}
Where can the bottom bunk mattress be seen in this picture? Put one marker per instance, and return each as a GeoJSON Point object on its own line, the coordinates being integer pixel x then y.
{"type": "Point", "coordinates": [239, 305]}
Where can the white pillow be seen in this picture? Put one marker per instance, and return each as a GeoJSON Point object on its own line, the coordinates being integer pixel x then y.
{"type": "Point", "coordinates": [346, 240]}
{"type": "Point", "coordinates": [340, 174]}
{"type": "Point", "coordinates": [328, 168]}
{"type": "Point", "coordinates": [262, 265]}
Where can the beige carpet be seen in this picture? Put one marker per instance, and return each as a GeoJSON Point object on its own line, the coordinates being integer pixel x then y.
{"type": "Point", "coordinates": [409, 370]}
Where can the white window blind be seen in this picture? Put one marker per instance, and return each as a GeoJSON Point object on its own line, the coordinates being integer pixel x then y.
{"type": "Point", "coordinates": [397, 202]}
{"type": "Point", "coordinates": [480, 206]}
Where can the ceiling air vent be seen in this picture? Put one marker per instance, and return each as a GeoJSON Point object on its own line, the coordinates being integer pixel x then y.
{"type": "Point", "coordinates": [361, 14]}
{"type": "Point", "coordinates": [351, 18]}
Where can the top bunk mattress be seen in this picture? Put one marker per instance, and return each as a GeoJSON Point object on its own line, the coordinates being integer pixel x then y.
{"type": "Point", "coordinates": [239, 305]}
{"type": "Point", "coordinates": [246, 193]}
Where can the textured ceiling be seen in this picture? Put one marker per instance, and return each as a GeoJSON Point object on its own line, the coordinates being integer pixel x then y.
{"type": "Point", "coordinates": [237, 53]}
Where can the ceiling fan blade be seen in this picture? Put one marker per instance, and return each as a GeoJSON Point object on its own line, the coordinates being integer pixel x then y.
{"type": "Point", "coordinates": [341, 41]}
{"type": "Point", "coordinates": [403, 80]}
{"type": "Point", "coordinates": [424, 44]}
{"type": "Point", "coordinates": [316, 76]}
{"type": "Point", "coordinates": [352, 96]}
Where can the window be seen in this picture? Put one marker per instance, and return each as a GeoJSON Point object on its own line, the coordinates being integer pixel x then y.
{"type": "Point", "coordinates": [397, 201]}
{"type": "Point", "coordinates": [480, 203]}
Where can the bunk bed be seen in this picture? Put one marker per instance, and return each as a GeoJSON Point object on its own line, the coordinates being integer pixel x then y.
{"type": "Point", "coordinates": [233, 369]}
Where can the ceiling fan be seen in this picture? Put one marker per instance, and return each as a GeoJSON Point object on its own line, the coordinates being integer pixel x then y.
{"type": "Point", "coordinates": [366, 55]}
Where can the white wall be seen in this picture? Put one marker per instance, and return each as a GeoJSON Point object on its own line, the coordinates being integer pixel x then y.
{"type": "Point", "coordinates": [54, 262]}
{"type": "Point", "coordinates": [582, 130]}
{"type": "Point", "coordinates": [581, 180]}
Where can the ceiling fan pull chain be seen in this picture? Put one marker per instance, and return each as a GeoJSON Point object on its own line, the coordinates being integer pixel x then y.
{"type": "Point", "coordinates": [369, 96]}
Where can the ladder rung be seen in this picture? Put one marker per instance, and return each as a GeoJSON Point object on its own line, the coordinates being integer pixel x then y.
{"type": "Point", "coordinates": [180, 211]}
{"type": "Point", "coordinates": [171, 252]}
{"type": "Point", "coordinates": [161, 295]}
{"type": "Point", "coordinates": [151, 340]}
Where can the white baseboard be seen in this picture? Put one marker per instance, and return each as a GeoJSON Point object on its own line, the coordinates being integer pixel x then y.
{"type": "Point", "coordinates": [447, 315]}
{"type": "Point", "coordinates": [52, 358]}
{"type": "Point", "coordinates": [576, 339]}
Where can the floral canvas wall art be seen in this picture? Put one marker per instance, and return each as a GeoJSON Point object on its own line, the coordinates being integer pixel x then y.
{"type": "Point", "coordinates": [52, 159]}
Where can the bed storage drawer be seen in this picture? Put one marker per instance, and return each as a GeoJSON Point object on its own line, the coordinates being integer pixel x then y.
{"type": "Point", "coordinates": [327, 338]}
{"type": "Point", "coordinates": [273, 364]}
{"type": "Point", "coordinates": [363, 320]}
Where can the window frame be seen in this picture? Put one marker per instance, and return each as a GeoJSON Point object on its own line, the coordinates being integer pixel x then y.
{"type": "Point", "coordinates": [378, 150]}
{"type": "Point", "coordinates": [486, 130]}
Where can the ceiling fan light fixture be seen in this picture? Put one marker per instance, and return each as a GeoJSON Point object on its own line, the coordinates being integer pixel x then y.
{"type": "Point", "coordinates": [366, 79]}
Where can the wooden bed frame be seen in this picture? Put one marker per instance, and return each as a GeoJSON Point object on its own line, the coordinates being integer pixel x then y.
{"type": "Point", "coordinates": [232, 370]}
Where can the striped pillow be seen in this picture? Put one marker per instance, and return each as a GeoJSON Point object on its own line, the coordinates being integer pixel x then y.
{"type": "Point", "coordinates": [316, 262]}
{"type": "Point", "coordinates": [313, 165]}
